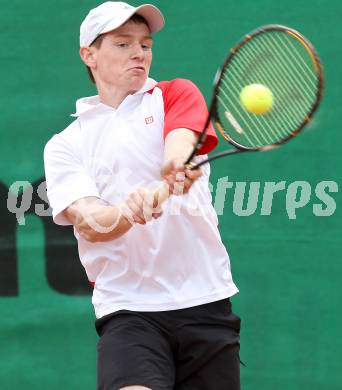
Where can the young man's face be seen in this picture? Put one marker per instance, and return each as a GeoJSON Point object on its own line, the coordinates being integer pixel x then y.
{"type": "Point", "coordinates": [124, 57]}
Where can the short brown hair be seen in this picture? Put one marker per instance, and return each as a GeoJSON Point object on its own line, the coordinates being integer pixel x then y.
{"type": "Point", "coordinates": [138, 19]}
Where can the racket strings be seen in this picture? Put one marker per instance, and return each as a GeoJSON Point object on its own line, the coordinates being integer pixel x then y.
{"type": "Point", "coordinates": [282, 88]}
{"type": "Point", "coordinates": [298, 70]}
{"type": "Point", "coordinates": [251, 136]}
{"type": "Point", "coordinates": [254, 124]}
{"type": "Point", "coordinates": [279, 73]}
{"type": "Point", "coordinates": [302, 65]}
{"type": "Point", "coordinates": [294, 55]}
{"type": "Point", "coordinates": [255, 131]}
{"type": "Point", "coordinates": [259, 75]}
{"type": "Point", "coordinates": [282, 63]}
{"type": "Point", "coordinates": [292, 96]}
{"type": "Point", "coordinates": [269, 71]}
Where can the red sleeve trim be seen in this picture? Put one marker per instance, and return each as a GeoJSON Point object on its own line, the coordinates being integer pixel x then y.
{"type": "Point", "coordinates": [185, 107]}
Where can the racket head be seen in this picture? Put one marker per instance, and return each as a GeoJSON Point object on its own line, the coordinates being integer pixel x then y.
{"type": "Point", "coordinates": [264, 57]}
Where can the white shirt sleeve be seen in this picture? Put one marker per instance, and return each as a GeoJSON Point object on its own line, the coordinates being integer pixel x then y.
{"type": "Point", "coordinates": [66, 177]}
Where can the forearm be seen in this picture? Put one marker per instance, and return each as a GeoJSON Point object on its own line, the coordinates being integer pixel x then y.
{"type": "Point", "coordinates": [179, 145]}
{"type": "Point", "coordinates": [97, 222]}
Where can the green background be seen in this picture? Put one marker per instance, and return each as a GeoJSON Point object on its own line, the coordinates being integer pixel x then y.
{"type": "Point", "coordinates": [288, 271]}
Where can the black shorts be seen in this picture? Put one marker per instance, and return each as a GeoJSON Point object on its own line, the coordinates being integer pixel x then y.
{"type": "Point", "coordinates": [188, 349]}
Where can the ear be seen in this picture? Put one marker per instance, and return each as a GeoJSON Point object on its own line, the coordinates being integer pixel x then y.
{"type": "Point", "coordinates": [88, 56]}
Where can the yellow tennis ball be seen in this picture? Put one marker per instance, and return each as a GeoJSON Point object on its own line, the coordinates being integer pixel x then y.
{"type": "Point", "coordinates": [256, 98]}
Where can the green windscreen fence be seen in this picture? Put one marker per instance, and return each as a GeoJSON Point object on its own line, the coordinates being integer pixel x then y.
{"type": "Point", "coordinates": [280, 215]}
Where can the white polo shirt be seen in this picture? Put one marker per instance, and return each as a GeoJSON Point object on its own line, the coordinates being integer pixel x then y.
{"type": "Point", "coordinates": [174, 262]}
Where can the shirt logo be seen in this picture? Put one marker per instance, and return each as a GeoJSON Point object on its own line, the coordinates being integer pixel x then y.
{"type": "Point", "coordinates": [149, 120]}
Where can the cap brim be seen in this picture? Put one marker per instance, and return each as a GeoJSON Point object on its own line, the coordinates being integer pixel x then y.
{"type": "Point", "coordinates": [153, 16]}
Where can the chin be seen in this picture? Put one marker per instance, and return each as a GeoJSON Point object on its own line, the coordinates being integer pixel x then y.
{"type": "Point", "coordinates": [137, 84]}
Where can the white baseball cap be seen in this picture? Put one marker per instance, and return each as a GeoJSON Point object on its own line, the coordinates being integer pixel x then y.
{"type": "Point", "coordinates": [112, 14]}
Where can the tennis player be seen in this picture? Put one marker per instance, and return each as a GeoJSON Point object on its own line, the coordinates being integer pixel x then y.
{"type": "Point", "coordinates": [161, 275]}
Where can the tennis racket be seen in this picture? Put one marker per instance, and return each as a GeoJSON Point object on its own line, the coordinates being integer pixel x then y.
{"type": "Point", "coordinates": [285, 62]}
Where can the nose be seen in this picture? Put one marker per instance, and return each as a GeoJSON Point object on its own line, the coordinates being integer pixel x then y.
{"type": "Point", "coordinates": [138, 52]}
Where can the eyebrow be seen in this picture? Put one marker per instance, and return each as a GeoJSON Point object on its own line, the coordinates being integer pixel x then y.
{"type": "Point", "coordinates": [132, 36]}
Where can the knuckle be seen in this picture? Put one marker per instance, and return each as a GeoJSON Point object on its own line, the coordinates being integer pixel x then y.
{"type": "Point", "coordinates": [141, 191]}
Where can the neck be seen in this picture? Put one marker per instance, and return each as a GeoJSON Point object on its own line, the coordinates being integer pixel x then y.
{"type": "Point", "coordinates": [112, 95]}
